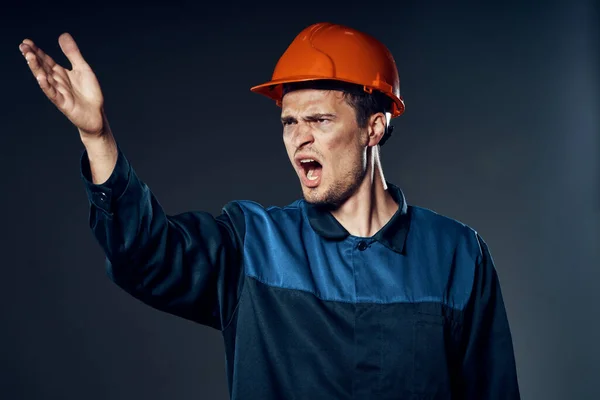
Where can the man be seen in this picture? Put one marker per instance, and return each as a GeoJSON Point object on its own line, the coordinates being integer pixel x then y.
{"type": "Point", "coordinates": [348, 293]}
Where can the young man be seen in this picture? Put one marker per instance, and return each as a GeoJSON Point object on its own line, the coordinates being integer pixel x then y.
{"type": "Point", "coordinates": [348, 293]}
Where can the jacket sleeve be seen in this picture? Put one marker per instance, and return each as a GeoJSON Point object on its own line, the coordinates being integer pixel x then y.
{"type": "Point", "coordinates": [187, 264]}
{"type": "Point", "coordinates": [488, 368]}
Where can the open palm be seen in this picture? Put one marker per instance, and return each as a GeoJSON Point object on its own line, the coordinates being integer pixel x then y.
{"type": "Point", "coordinates": [75, 92]}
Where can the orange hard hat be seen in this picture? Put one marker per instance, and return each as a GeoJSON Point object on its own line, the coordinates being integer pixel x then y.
{"type": "Point", "coordinates": [327, 51]}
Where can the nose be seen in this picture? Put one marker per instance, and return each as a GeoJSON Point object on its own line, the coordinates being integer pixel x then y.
{"type": "Point", "coordinates": [302, 135]}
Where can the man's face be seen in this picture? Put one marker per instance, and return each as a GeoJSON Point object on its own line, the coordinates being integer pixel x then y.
{"type": "Point", "coordinates": [320, 125]}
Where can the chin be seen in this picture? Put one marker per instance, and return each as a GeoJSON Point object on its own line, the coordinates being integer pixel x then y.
{"type": "Point", "coordinates": [312, 195]}
{"type": "Point", "coordinates": [332, 195]}
{"type": "Point", "coordinates": [321, 197]}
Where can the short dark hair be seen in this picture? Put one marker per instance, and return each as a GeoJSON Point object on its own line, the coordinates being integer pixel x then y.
{"type": "Point", "coordinates": [364, 104]}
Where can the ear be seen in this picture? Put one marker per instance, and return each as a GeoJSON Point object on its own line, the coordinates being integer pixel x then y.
{"type": "Point", "coordinates": [376, 128]}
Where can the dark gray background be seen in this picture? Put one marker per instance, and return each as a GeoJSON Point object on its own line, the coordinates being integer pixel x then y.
{"type": "Point", "coordinates": [501, 131]}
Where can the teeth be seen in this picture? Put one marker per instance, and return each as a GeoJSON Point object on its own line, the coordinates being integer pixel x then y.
{"type": "Point", "coordinates": [307, 160]}
{"type": "Point", "coordinates": [310, 176]}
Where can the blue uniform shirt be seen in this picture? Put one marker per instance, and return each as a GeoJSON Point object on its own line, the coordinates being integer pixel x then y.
{"type": "Point", "coordinates": [308, 311]}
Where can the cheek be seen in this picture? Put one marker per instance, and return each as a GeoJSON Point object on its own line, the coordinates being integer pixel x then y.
{"type": "Point", "coordinates": [342, 148]}
{"type": "Point", "coordinates": [343, 160]}
{"type": "Point", "coordinates": [346, 138]}
{"type": "Point", "coordinates": [335, 147]}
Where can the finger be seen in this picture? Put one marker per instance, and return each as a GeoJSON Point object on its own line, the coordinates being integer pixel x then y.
{"type": "Point", "coordinates": [71, 50]}
{"type": "Point", "coordinates": [58, 77]}
{"type": "Point", "coordinates": [34, 61]}
{"type": "Point", "coordinates": [34, 64]}
{"type": "Point", "coordinates": [63, 92]}
{"type": "Point", "coordinates": [30, 43]}
{"type": "Point", "coordinates": [40, 53]}
{"type": "Point", "coordinates": [60, 71]}
{"type": "Point", "coordinates": [48, 89]}
{"type": "Point", "coordinates": [25, 48]}
{"type": "Point", "coordinates": [51, 80]}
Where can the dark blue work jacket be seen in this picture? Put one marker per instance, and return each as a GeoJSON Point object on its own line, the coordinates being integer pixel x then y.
{"type": "Point", "coordinates": [308, 311]}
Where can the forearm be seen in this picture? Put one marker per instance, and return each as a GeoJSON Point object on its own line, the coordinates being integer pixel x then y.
{"type": "Point", "coordinates": [102, 152]}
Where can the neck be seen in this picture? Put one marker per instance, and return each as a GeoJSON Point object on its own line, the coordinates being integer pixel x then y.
{"type": "Point", "coordinates": [371, 206]}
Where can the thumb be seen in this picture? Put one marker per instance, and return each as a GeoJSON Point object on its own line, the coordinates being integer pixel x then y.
{"type": "Point", "coordinates": [69, 47]}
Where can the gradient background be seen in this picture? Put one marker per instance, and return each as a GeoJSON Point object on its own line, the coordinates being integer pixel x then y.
{"type": "Point", "coordinates": [501, 131]}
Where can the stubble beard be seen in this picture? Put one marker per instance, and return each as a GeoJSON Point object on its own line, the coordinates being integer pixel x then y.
{"type": "Point", "coordinates": [339, 191]}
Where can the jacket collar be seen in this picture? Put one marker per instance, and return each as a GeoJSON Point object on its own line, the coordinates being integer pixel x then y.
{"type": "Point", "coordinates": [393, 234]}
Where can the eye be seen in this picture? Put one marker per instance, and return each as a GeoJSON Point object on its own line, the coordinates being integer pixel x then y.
{"type": "Point", "coordinates": [323, 121]}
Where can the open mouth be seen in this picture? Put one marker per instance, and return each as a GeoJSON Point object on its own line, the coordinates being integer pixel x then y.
{"type": "Point", "coordinates": [312, 169]}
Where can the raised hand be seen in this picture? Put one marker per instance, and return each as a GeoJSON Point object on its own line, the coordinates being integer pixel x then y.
{"type": "Point", "coordinates": [76, 92]}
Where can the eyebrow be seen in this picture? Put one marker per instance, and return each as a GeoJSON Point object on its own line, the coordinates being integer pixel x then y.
{"type": "Point", "coordinates": [309, 118]}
